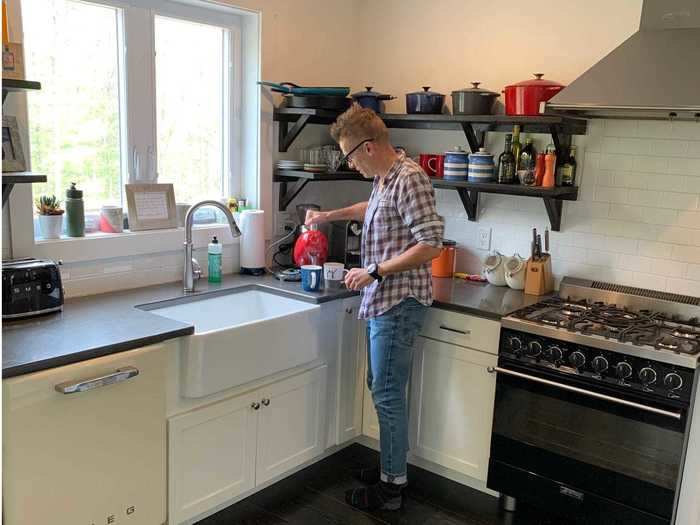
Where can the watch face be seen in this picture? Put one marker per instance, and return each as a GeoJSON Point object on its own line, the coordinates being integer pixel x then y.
{"type": "Point", "coordinates": [372, 268]}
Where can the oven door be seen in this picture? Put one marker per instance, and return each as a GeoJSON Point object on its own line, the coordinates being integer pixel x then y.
{"type": "Point", "coordinates": [579, 448]}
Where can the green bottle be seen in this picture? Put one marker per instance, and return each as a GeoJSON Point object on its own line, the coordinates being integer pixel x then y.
{"type": "Point", "coordinates": [214, 253]}
{"type": "Point", "coordinates": [75, 212]}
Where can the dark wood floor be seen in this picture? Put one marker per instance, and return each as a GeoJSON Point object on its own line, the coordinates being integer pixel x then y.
{"type": "Point", "coordinates": [315, 495]}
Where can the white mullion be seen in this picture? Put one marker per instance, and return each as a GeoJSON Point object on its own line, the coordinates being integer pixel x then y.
{"type": "Point", "coordinates": [140, 90]}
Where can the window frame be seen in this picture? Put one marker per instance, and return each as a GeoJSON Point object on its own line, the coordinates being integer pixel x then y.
{"type": "Point", "coordinates": [138, 128]}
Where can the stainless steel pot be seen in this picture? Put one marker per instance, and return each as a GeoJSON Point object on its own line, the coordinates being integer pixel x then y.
{"type": "Point", "coordinates": [473, 100]}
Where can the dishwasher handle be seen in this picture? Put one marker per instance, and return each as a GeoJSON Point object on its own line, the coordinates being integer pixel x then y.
{"type": "Point", "coordinates": [83, 385]}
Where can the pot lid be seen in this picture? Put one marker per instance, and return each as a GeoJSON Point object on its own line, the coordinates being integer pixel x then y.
{"type": "Point", "coordinates": [477, 90]}
{"type": "Point", "coordinates": [481, 153]}
{"type": "Point", "coordinates": [457, 150]}
{"type": "Point", "coordinates": [369, 93]}
{"type": "Point", "coordinates": [538, 81]}
{"type": "Point", "coordinates": [426, 91]}
{"type": "Point", "coordinates": [492, 261]}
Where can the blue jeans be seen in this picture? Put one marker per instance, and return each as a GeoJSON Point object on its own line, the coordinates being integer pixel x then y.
{"type": "Point", "coordinates": [391, 338]}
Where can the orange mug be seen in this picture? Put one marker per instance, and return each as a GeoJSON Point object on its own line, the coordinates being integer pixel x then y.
{"type": "Point", "coordinates": [444, 264]}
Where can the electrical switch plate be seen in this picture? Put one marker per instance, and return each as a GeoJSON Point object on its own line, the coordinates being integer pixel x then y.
{"type": "Point", "coordinates": [484, 238]}
{"type": "Point", "coordinates": [285, 222]}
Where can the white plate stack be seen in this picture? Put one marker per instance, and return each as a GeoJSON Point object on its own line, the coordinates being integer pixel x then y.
{"type": "Point", "coordinates": [315, 168]}
{"type": "Point", "coordinates": [290, 165]}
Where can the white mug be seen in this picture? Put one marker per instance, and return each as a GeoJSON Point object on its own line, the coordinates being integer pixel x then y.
{"type": "Point", "coordinates": [333, 274]}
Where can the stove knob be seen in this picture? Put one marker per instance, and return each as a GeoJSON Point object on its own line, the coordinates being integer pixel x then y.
{"type": "Point", "coordinates": [623, 370]}
{"type": "Point", "coordinates": [599, 364]}
{"type": "Point", "coordinates": [577, 359]}
{"type": "Point", "coordinates": [534, 349]}
{"type": "Point", "coordinates": [515, 345]}
{"type": "Point", "coordinates": [647, 375]}
{"type": "Point", "coordinates": [673, 381]}
{"type": "Point", "coordinates": [554, 354]}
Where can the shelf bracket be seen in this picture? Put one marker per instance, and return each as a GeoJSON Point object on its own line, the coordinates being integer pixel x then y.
{"type": "Point", "coordinates": [287, 194]}
{"type": "Point", "coordinates": [6, 190]}
{"type": "Point", "coordinates": [470, 201]}
{"type": "Point", "coordinates": [554, 207]}
{"type": "Point", "coordinates": [561, 141]}
{"type": "Point", "coordinates": [473, 140]}
{"type": "Point", "coordinates": [286, 135]}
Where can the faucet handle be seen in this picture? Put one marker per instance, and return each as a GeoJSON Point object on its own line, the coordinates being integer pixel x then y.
{"type": "Point", "coordinates": [196, 269]}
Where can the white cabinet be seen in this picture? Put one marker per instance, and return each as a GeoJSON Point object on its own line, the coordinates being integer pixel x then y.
{"type": "Point", "coordinates": [92, 456]}
{"type": "Point", "coordinates": [452, 407]}
{"type": "Point", "coordinates": [352, 353]}
{"type": "Point", "coordinates": [211, 455]}
{"type": "Point", "coordinates": [225, 449]}
{"type": "Point", "coordinates": [291, 424]}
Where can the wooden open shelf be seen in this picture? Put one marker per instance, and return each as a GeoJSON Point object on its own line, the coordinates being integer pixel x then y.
{"type": "Point", "coordinates": [24, 177]}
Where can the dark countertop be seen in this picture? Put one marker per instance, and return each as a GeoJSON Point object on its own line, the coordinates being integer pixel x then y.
{"type": "Point", "coordinates": [482, 299]}
{"type": "Point", "coordinates": [104, 324]}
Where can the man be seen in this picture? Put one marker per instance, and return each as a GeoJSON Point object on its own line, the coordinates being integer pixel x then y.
{"type": "Point", "coordinates": [402, 233]}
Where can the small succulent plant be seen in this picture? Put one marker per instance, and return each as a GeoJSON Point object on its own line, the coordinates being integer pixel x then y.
{"type": "Point", "coordinates": [48, 205]}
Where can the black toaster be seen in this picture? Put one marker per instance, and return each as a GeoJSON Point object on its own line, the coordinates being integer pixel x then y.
{"type": "Point", "coordinates": [30, 287]}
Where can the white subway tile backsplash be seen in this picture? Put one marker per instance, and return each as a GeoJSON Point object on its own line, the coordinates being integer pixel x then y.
{"type": "Point", "coordinates": [659, 216]}
{"type": "Point", "coordinates": [666, 183]}
{"type": "Point", "coordinates": [626, 213]}
{"type": "Point", "coordinates": [684, 166]}
{"type": "Point", "coordinates": [655, 249]}
{"type": "Point", "coordinates": [669, 148]}
{"type": "Point", "coordinates": [685, 130]}
{"type": "Point", "coordinates": [636, 264]}
{"type": "Point", "coordinates": [654, 129]}
{"type": "Point", "coordinates": [648, 280]}
{"type": "Point", "coordinates": [690, 254]}
{"type": "Point", "coordinates": [615, 128]}
{"type": "Point", "coordinates": [621, 245]}
{"type": "Point", "coordinates": [689, 219]}
{"type": "Point", "coordinates": [693, 272]}
{"type": "Point", "coordinates": [643, 197]}
{"type": "Point", "coordinates": [694, 149]}
{"type": "Point", "coordinates": [610, 161]}
{"type": "Point", "coordinates": [647, 164]}
{"type": "Point", "coordinates": [608, 194]}
{"type": "Point", "coordinates": [599, 258]}
{"type": "Point", "coordinates": [679, 201]}
{"type": "Point", "coordinates": [683, 286]}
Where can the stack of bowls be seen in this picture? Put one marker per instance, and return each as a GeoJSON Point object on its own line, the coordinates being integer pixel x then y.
{"type": "Point", "coordinates": [481, 167]}
{"type": "Point", "coordinates": [456, 164]}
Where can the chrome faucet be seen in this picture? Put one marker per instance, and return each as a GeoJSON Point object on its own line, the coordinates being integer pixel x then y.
{"type": "Point", "coordinates": [192, 267]}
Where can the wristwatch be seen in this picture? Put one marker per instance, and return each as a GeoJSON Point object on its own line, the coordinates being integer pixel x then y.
{"type": "Point", "coordinates": [373, 270]}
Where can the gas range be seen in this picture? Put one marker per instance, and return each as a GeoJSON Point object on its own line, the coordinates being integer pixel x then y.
{"type": "Point", "coordinates": [631, 321]}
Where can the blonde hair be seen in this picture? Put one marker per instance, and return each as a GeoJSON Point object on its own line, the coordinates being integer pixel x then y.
{"type": "Point", "coordinates": [359, 123]}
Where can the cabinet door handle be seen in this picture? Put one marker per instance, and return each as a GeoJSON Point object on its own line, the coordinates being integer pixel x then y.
{"type": "Point", "coordinates": [83, 385]}
{"type": "Point", "coordinates": [255, 405]}
{"type": "Point", "coordinates": [455, 330]}
{"type": "Point", "coordinates": [266, 402]}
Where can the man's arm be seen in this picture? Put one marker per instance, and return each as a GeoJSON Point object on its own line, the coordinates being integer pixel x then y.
{"type": "Point", "coordinates": [414, 257]}
{"type": "Point", "coordinates": [356, 212]}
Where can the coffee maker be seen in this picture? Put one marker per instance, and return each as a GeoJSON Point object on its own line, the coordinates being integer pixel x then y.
{"type": "Point", "coordinates": [344, 243]}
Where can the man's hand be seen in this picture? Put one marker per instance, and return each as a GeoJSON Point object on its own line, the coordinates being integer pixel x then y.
{"type": "Point", "coordinates": [357, 279]}
{"type": "Point", "coordinates": [315, 217]}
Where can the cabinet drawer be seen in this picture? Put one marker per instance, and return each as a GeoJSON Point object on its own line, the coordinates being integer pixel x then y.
{"type": "Point", "coordinates": [463, 330]}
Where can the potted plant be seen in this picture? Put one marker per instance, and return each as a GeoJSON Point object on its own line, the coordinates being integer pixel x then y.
{"type": "Point", "coordinates": [50, 216]}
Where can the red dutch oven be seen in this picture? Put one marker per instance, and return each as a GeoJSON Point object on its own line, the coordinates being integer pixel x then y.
{"type": "Point", "coordinates": [524, 97]}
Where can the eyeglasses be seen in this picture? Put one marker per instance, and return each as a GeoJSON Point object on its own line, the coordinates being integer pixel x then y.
{"type": "Point", "coordinates": [348, 156]}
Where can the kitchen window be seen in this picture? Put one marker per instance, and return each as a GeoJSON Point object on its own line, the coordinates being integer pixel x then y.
{"type": "Point", "coordinates": [134, 91]}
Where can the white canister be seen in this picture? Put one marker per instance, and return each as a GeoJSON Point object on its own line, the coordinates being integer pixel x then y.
{"type": "Point", "coordinates": [515, 272]}
{"type": "Point", "coordinates": [494, 268]}
{"type": "Point", "coordinates": [111, 219]}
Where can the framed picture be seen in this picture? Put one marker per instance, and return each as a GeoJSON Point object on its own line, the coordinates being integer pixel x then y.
{"type": "Point", "coordinates": [151, 206]}
{"type": "Point", "coordinates": [13, 61]}
{"type": "Point", "coordinates": [12, 154]}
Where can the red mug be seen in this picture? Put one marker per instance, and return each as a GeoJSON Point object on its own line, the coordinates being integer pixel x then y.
{"type": "Point", "coordinates": [439, 166]}
{"type": "Point", "coordinates": [428, 162]}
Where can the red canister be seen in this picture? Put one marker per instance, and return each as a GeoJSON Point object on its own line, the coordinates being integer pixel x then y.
{"type": "Point", "coordinates": [524, 97]}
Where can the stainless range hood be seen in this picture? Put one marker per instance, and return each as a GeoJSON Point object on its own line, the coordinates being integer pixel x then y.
{"type": "Point", "coordinates": [654, 74]}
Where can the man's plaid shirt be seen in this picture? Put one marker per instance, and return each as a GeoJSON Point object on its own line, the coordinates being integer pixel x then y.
{"type": "Point", "coordinates": [399, 215]}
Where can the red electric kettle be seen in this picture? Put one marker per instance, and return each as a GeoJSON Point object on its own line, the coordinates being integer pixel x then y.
{"type": "Point", "coordinates": [311, 247]}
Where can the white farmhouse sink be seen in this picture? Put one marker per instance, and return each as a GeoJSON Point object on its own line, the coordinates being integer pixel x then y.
{"type": "Point", "coordinates": [240, 337]}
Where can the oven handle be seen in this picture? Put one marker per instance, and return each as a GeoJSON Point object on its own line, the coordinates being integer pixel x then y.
{"type": "Point", "coordinates": [619, 401]}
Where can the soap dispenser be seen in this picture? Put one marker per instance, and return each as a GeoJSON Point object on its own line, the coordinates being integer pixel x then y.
{"type": "Point", "coordinates": [214, 252]}
{"type": "Point", "coordinates": [75, 212]}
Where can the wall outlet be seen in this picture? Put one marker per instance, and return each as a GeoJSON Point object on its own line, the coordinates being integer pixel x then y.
{"type": "Point", "coordinates": [285, 222]}
{"type": "Point", "coordinates": [485, 239]}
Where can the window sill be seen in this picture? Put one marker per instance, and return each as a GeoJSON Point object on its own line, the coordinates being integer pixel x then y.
{"type": "Point", "coordinates": [99, 245]}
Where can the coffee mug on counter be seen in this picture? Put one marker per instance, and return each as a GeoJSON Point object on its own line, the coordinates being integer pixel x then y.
{"type": "Point", "coordinates": [111, 219]}
{"type": "Point", "coordinates": [334, 274]}
{"type": "Point", "coordinates": [311, 277]}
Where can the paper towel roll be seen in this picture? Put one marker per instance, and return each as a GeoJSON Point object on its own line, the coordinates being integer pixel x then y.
{"type": "Point", "coordinates": [252, 226]}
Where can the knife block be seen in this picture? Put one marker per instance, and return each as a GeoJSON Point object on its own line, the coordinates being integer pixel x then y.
{"type": "Point", "coordinates": [538, 278]}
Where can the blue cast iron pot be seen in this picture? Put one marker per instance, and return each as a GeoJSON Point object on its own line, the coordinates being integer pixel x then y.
{"type": "Point", "coordinates": [425, 102]}
{"type": "Point", "coordinates": [371, 99]}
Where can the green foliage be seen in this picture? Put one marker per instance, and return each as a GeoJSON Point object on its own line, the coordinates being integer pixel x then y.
{"type": "Point", "coordinates": [48, 205]}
